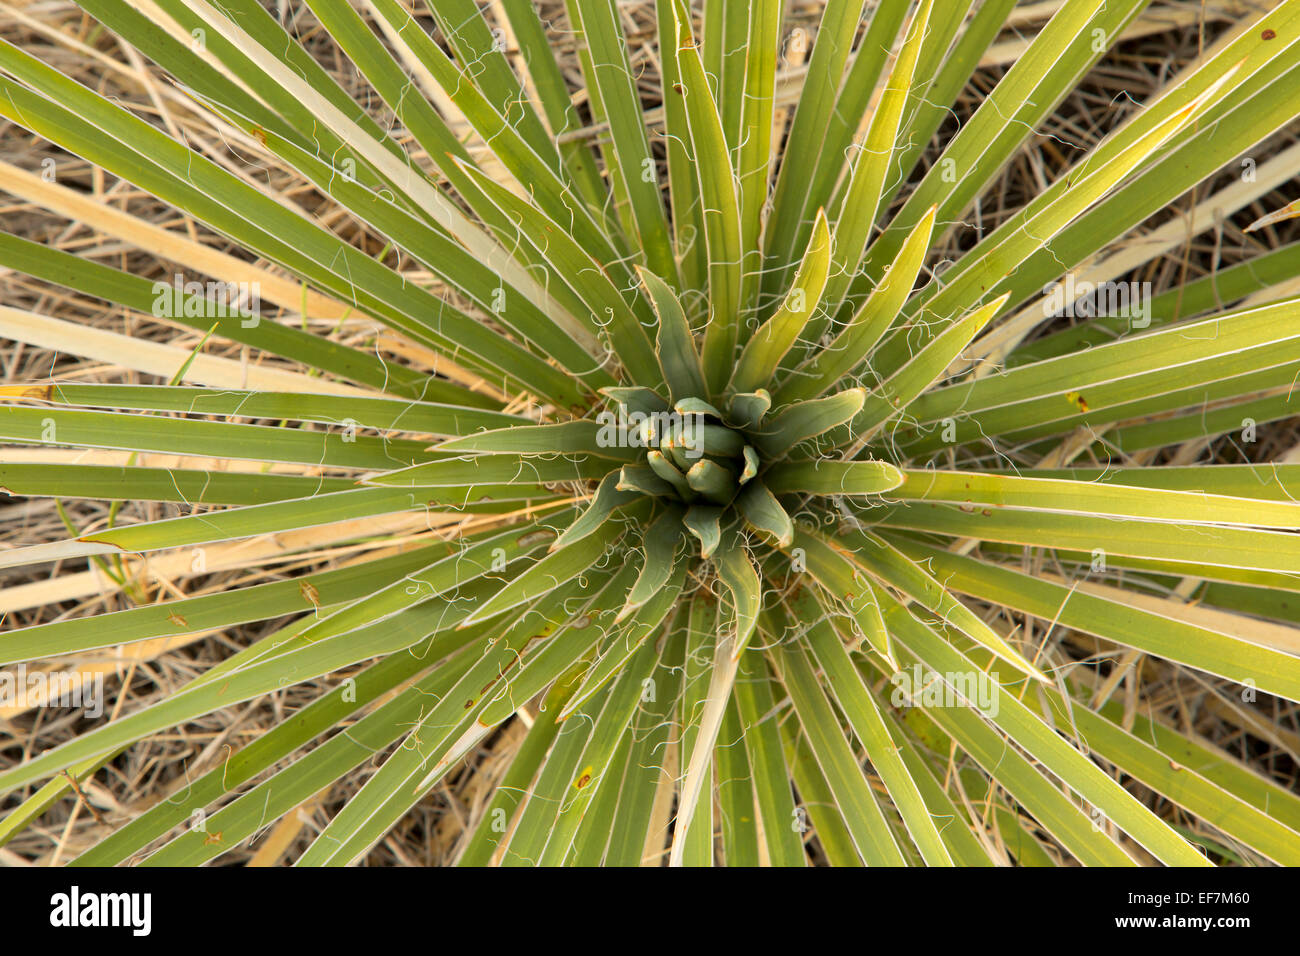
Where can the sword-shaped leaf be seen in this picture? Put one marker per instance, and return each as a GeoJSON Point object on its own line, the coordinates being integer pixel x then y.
{"type": "Point", "coordinates": [608, 497]}
{"type": "Point", "coordinates": [894, 568]}
{"type": "Point", "coordinates": [627, 638]}
{"type": "Point", "coordinates": [583, 436]}
{"type": "Point", "coordinates": [769, 344]}
{"type": "Point", "coordinates": [715, 482]}
{"type": "Point", "coordinates": [668, 473]}
{"type": "Point", "coordinates": [703, 521]}
{"type": "Point", "coordinates": [833, 477]}
{"type": "Point", "coordinates": [759, 507]}
{"type": "Point", "coordinates": [919, 373]}
{"type": "Point", "coordinates": [746, 409]}
{"type": "Point", "coordinates": [675, 345]}
{"type": "Point", "coordinates": [660, 543]}
{"type": "Point", "coordinates": [873, 164]}
{"type": "Point", "coordinates": [847, 586]}
{"type": "Point", "coordinates": [737, 572]}
{"type": "Point", "coordinates": [854, 343]}
{"type": "Point", "coordinates": [554, 569]}
{"type": "Point", "coordinates": [804, 420]}
{"type": "Point", "coordinates": [717, 192]}
{"type": "Point", "coordinates": [645, 480]}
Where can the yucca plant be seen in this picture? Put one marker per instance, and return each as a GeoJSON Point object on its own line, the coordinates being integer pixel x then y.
{"type": "Point", "coordinates": [656, 455]}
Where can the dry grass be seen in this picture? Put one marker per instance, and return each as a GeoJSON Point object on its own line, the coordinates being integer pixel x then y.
{"type": "Point", "coordinates": [1202, 232]}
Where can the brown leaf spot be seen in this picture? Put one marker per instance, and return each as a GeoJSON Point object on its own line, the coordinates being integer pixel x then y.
{"type": "Point", "coordinates": [1267, 35]}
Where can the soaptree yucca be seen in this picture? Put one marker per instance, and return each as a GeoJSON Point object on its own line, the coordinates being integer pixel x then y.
{"type": "Point", "coordinates": [716, 474]}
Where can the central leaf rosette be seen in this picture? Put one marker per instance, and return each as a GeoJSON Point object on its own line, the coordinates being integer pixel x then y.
{"type": "Point", "coordinates": [692, 450]}
{"type": "Point", "coordinates": [707, 446]}
{"type": "Point", "coordinates": [716, 463]}
{"type": "Point", "coordinates": [737, 387]}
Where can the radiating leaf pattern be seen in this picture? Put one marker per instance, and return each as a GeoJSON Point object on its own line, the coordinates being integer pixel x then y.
{"type": "Point", "coordinates": [753, 531]}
